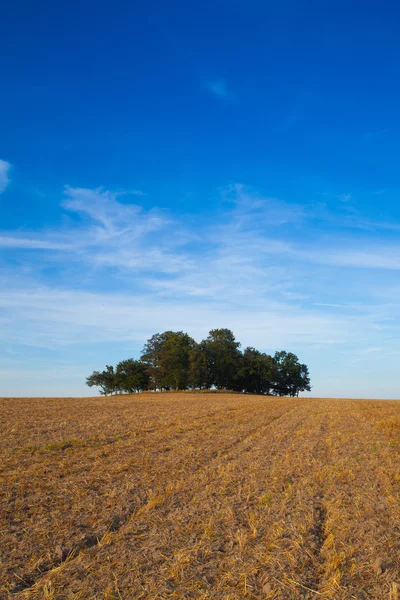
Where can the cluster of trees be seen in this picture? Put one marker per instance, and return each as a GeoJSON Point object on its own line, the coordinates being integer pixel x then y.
{"type": "Point", "coordinates": [174, 361]}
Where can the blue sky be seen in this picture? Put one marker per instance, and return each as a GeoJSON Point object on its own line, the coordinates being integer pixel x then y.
{"type": "Point", "coordinates": [190, 166]}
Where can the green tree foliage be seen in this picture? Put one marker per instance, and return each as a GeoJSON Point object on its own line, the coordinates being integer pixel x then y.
{"type": "Point", "coordinates": [290, 377]}
{"type": "Point", "coordinates": [224, 358]}
{"type": "Point", "coordinates": [151, 356]}
{"type": "Point", "coordinates": [167, 357]}
{"type": "Point", "coordinates": [105, 380]}
{"type": "Point", "coordinates": [173, 361]}
{"type": "Point", "coordinates": [257, 372]}
{"type": "Point", "coordinates": [199, 367]}
{"type": "Point", "coordinates": [131, 376]}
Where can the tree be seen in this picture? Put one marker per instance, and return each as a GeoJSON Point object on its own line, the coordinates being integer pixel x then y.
{"type": "Point", "coordinates": [105, 380]}
{"type": "Point", "coordinates": [132, 376]}
{"type": "Point", "coordinates": [167, 358]}
{"type": "Point", "coordinates": [224, 358]}
{"type": "Point", "coordinates": [256, 373]}
{"type": "Point", "coordinates": [173, 360]}
{"type": "Point", "coordinates": [302, 381]}
{"type": "Point", "coordinates": [151, 357]}
{"type": "Point", "coordinates": [199, 367]}
{"type": "Point", "coordinates": [290, 376]}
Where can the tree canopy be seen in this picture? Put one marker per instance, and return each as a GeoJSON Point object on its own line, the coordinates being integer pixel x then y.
{"type": "Point", "coordinates": [167, 359]}
{"type": "Point", "coordinates": [174, 361]}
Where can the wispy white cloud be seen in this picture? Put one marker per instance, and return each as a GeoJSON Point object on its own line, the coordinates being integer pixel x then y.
{"type": "Point", "coordinates": [7, 241]}
{"type": "Point", "coordinates": [120, 272]}
{"type": "Point", "coordinates": [253, 208]}
{"type": "Point", "coordinates": [375, 257]}
{"type": "Point", "coordinates": [374, 349]}
{"type": "Point", "coordinates": [46, 317]}
{"type": "Point", "coordinates": [115, 218]}
{"type": "Point", "coordinates": [5, 168]}
{"type": "Point", "coordinates": [344, 197]}
{"type": "Point", "coordinates": [252, 237]}
{"type": "Point", "coordinates": [218, 88]}
{"type": "Point", "coordinates": [331, 305]}
{"type": "Point", "coordinates": [110, 233]}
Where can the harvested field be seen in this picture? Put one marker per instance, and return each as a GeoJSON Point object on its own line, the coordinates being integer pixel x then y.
{"type": "Point", "coordinates": [199, 496]}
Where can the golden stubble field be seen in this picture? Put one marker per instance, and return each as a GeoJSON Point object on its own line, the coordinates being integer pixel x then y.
{"type": "Point", "coordinates": [199, 496]}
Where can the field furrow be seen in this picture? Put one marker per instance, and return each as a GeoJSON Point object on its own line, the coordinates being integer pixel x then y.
{"type": "Point", "coordinates": [200, 496]}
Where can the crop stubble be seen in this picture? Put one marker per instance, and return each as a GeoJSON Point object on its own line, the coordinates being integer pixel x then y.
{"type": "Point", "coordinates": [200, 496]}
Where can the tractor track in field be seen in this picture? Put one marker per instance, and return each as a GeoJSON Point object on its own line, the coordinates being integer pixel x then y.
{"type": "Point", "coordinates": [68, 553]}
{"type": "Point", "coordinates": [219, 498]}
{"type": "Point", "coordinates": [317, 532]}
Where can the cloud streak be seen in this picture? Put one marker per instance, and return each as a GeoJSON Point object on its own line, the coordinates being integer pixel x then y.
{"type": "Point", "coordinates": [261, 267]}
{"type": "Point", "coordinates": [48, 317]}
{"type": "Point", "coordinates": [253, 238]}
{"type": "Point", "coordinates": [5, 168]}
